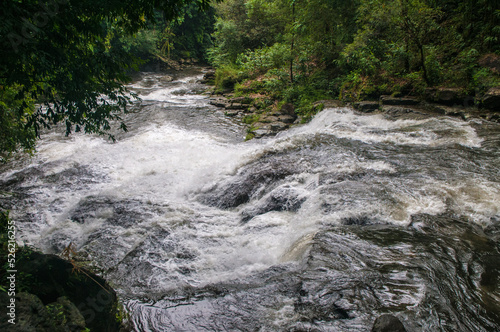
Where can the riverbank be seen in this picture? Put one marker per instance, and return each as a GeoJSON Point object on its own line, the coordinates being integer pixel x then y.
{"type": "Point", "coordinates": [266, 116]}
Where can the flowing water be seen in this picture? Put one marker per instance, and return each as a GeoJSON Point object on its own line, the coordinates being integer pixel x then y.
{"type": "Point", "coordinates": [322, 228]}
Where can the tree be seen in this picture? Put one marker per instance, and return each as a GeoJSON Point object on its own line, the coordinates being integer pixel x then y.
{"type": "Point", "coordinates": [419, 25]}
{"type": "Point", "coordinates": [64, 56]}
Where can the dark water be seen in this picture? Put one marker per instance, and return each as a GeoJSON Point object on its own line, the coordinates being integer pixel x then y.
{"type": "Point", "coordinates": [322, 228]}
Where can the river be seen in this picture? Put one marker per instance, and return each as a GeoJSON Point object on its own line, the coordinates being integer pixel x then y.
{"type": "Point", "coordinates": [322, 228]}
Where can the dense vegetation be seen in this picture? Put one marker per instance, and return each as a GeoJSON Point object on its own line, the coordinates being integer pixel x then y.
{"type": "Point", "coordinates": [71, 58]}
{"type": "Point", "coordinates": [299, 51]}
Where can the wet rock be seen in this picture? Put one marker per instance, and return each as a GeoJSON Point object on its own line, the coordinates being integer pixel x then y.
{"type": "Point", "coordinates": [388, 323]}
{"type": "Point", "coordinates": [366, 106]}
{"type": "Point", "coordinates": [251, 180]}
{"type": "Point", "coordinates": [209, 77]}
{"type": "Point", "coordinates": [268, 119]}
{"type": "Point", "coordinates": [403, 101]}
{"type": "Point", "coordinates": [232, 113]}
{"type": "Point", "coordinates": [123, 213]}
{"type": "Point", "coordinates": [394, 112]}
{"type": "Point", "coordinates": [280, 199]}
{"type": "Point", "coordinates": [286, 119]}
{"type": "Point", "coordinates": [278, 126]}
{"type": "Point", "coordinates": [262, 132]}
{"type": "Point", "coordinates": [268, 126]}
{"type": "Point", "coordinates": [491, 99]}
{"type": "Point", "coordinates": [219, 102]}
{"type": "Point", "coordinates": [166, 79]}
{"type": "Point", "coordinates": [359, 221]}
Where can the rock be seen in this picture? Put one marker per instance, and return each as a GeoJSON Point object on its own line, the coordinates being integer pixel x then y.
{"type": "Point", "coordinates": [219, 102]}
{"type": "Point", "coordinates": [237, 106]}
{"type": "Point", "coordinates": [231, 113]}
{"type": "Point", "coordinates": [73, 318]}
{"type": "Point", "coordinates": [33, 315]}
{"type": "Point", "coordinates": [280, 199]}
{"type": "Point", "coordinates": [288, 109]}
{"type": "Point", "coordinates": [268, 119]}
{"type": "Point", "coordinates": [251, 179]}
{"type": "Point", "coordinates": [388, 323]}
{"type": "Point", "coordinates": [286, 119]}
{"type": "Point", "coordinates": [166, 79]}
{"type": "Point", "coordinates": [448, 110]}
{"type": "Point", "coordinates": [262, 132]}
{"type": "Point", "coordinates": [329, 103]}
{"type": "Point", "coordinates": [402, 101]}
{"type": "Point", "coordinates": [242, 100]}
{"type": "Point", "coordinates": [30, 314]}
{"type": "Point", "coordinates": [261, 125]}
{"type": "Point", "coordinates": [491, 99]}
{"type": "Point", "coordinates": [404, 111]}
{"type": "Point", "coordinates": [54, 278]}
{"type": "Point", "coordinates": [448, 96]}
{"type": "Point", "coordinates": [278, 126]}
{"type": "Point", "coordinates": [366, 106]}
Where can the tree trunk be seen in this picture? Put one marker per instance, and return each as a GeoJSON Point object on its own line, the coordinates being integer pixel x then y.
{"type": "Point", "coordinates": [422, 58]}
{"type": "Point", "coordinates": [293, 41]}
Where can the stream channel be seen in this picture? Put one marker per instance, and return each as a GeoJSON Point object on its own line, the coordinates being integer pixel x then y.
{"type": "Point", "coordinates": [324, 227]}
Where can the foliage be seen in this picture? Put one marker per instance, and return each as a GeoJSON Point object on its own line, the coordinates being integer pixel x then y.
{"type": "Point", "coordinates": [355, 49]}
{"type": "Point", "coordinates": [14, 133]}
{"type": "Point", "coordinates": [66, 56]}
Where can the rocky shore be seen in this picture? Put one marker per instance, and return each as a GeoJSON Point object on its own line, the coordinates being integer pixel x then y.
{"type": "Point", "coordinates": [269, 120]}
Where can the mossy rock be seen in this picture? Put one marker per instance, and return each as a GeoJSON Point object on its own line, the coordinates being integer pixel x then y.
{"type": "Point", "coordinates": [55, 280]}
{"type": "Point", "coordinates": [32, 315]}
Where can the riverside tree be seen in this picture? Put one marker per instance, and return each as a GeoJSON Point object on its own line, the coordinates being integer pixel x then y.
{"type": "Point", "coordinates": [65, 56]}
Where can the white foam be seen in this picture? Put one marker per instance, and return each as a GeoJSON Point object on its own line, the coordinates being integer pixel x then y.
{"type": "Point", "coordinates": [344, 123]}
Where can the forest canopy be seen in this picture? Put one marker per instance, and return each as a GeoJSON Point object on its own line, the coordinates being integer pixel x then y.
{"type": "Point", "coordinates": [299, 51]}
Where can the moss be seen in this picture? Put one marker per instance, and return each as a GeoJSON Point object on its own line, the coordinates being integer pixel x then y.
{"type": "Point", "coordinates": [250, 119]}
